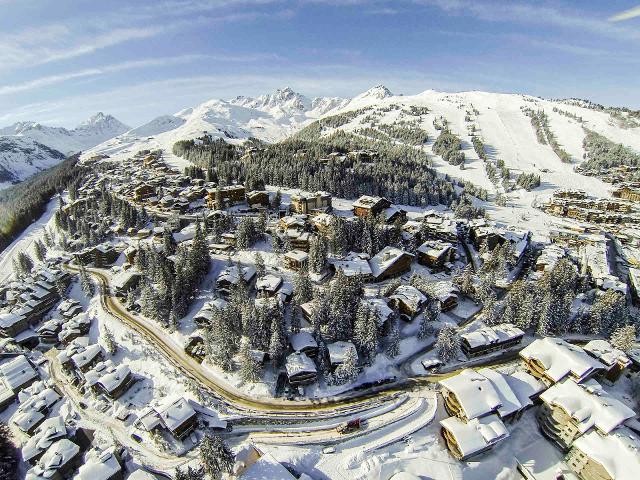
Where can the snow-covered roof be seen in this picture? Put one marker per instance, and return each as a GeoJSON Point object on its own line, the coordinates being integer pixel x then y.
{"type": "Point", "coordinates": [108, 375]}
{"type": "Point", "coordinates": [338, 351]}
{"type": "Point", "coordinates": [25, 420]}
{"type": "Point", "coordinates": [367, 201]}
{"type": "Point", "coordinates": [618, 452]}
{"type": "Point", "coordinates": [120, 279]}
{"type": "Point", "coordinates": [48, 432]}
{"type": "Point", "coordinates": [475, 393]}
{"type": "Point", "coordinates": [141, 475]}
{"type": "Point", "coordinates": [232, 275]}
{"type": "Point", "coordinates": [561, 358]}
{"type": "Point", "coordinates": [175, 413]}
{"type": "Point", "coordinates": [434, 248]}
{"type": "Point", "coordinates": [477, 434]}
{"type": "Point", "coordinates": [297, 255]}
{"type": "Point", "coordinates": [17, 372]}
{"type": "Point", "coordinates": [9, 319]}
{"type": "Point", "coordinates": [269, 283]}
{"type": "Point", "coordinates": [542, 461]}
{"type": "Point", "coordinates": [267, 467]}
{"type": "Point", "coordinates": [514, 392]}
{"type": "Point", "coordinates": [380, 306]}
{"type": "Point", "coordinates": [606, 353]}
{"type": "Point", "coordinates": [489, 335]}
{"type": "Point", "coordinates": [302, 340]}
{"type": "Point", "coordinates": [55, 458]}
{"type": "Point", "coordinates": [87, 355]}
{"type": "Point", "coordinates": [353, 265]}
{"type": "Point", "coordinates": [410, 296]}
{"type": "Point", "coordinates": [99, 465]}
{"type": "Point", "coordinates": [298, 363]}
{"type": "Point", "coordinates": [385, 258]}
{"type": "Point", "coordinates": [588, 404]}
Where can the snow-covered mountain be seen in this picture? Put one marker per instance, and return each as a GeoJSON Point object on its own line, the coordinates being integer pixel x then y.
{"type": "Point", "coordinates": [499, 119]}
{"type": "Point", "coordinates": [21, 157]}
{"type": "Point", "coordinates": [28, 147]}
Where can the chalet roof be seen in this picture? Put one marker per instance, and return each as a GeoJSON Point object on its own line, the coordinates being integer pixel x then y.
{"type": "Point", "coordinates": [108, 375]}
{"type": "Point", "coordinates": [297, 255]}
{"type": "Point", "coordinates": [231, 274]}
{"type": "Point", "coordinates": [120, 279]}
{"type": "Point", "coordinates": [175, 413]}
{"type": "Point", "coordinates": [302, 340]}
{"type": "Point", "coordinates": [385, 259]}
{"type": "Point", "coordinates": [434, 248]}
{"type": "Point", "coordinates": [353, 265]}
{"type": "Point", "coordinates": [618, 452]}
{"type": "Point", "coordinates": [588, 404]}
{"type": "Point", "coordinates": [17, 372]}
{"type": "Point", "coordinates": [56, 457]}
{"type": "Point", "coordinates": [514, 390]}
{"type": "Point", "coordinates": [489, 335]}
{"type": "Point", "coordinates": [266, 467]}
{"type": "Point", "coordinates": [99, 465]}
{"type": "Point", "coordinates": [51, 430]}
{"type": "Point", "coordinates": [606, 353]}
{"type": "Point", "coordinates": [476, 394]}
{"type": "Point", "coordinates": [477, 434]}
{"type": "Point", "coordinates": [87, 355]}
{"type": "Point", "coordinates": [298, 363]}
{"type": "Point", "coordinates": [410, 296]}
{"type": "Point", "coordinates": [338, 351]}
{"type": "Point", "coordinates": [560, 358]}
{"type": "Point", "coordinates": [367, 201]}
{"type": "Point", "coordinates": [380, 305]}
{"type": "Point", "coordinates": [269, 283]}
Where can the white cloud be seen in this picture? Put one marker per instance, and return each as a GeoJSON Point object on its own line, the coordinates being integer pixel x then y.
{"type": "Point", "coordinates": [626, 15]}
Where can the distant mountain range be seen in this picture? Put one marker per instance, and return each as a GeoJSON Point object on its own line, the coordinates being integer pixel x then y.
{"type": "Point", "coordinates": [28, 147]}
{"type": "Point", "coordinates": [501, 120]}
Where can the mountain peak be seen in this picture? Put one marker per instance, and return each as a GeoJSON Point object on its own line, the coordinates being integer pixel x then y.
{"type": "Point", "coordinates": [379, 92]}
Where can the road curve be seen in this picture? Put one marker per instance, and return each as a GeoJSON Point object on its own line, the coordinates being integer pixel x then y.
{"type": "Point", "coordinates": [226, 393]}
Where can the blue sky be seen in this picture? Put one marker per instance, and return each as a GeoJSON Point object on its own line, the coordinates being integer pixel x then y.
{"type": "Point", "coordinates": [62, 60]}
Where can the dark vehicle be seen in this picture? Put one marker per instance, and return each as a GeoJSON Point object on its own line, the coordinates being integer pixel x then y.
{"type": "Point", "coordinates": [348, 427]}
{"type": "Point", "coordinates": [136, 437]}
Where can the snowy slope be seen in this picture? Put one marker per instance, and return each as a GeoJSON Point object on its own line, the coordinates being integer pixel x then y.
{"type": "Point", "coordinates": [500, 122]}
{"type": "Point", "coordinates": [269, 117]}
{"type": "Point", "coordinates": [21, 157]}
{"type": "Point", "coordinates": [90, 133]}
{"type": "Point", "coordinates": [29, 147]}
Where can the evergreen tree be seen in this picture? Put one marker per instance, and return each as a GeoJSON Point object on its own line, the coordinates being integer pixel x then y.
{"type": "Point", "coordinates": [277, 201]}
{"type": "Point", "coordinates": [260, 266]}
{"type": "Point", "coordinates": [86, 283]}
{"type": "Point", "coordinates": [347, 371]}
{"type": "Point", "coordinates": [245, 233]}
{"type": "Point", "coordinates": [393, 339]}
{"type": "Point", "coordinates": [46, 236]}
{"type": "Point", "coordinates": [447, 343]}
{"type": "Point", "coordinates": [40, 250]}
{"type": "Point", "coordinates": [624, 338]}
{"type": "Point", "coordinates": [277, 342]}
{"type": "Point", "coordinates": [317, 254]}
{"type": "Point", "coordinates": [8, 454]}
{"type": "Point", "coordinates": [608, 312]}
{"type": "Point", "coordinates": [168, 242]}
{"type": "Point", "coordinates": [109, 341]}
{"type": "Point", "coordinates": [365, 335]}
{"type": "Point", "coordinates": [429, 316]}
{"type": "Point", "coordinates": [249, 366]}
{"type": "Point", "coordinates": [216, 457]}
{"type": "Point", "coordinates": [302, 287]}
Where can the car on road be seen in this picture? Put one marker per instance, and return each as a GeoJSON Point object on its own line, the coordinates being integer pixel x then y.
{"type": "Point", "coordinates": [431, 364]}
{"type": "Point", "coordinates": [328, 450]}
{"type": "Point", "coordinates": [348, 427]}
{"type": "Point", "coordinates": [136, 437]}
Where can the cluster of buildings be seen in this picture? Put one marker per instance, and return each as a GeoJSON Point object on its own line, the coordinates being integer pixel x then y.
{"type": "Point", "coordinates": [25, 302]}
{"type": "Point", "coordinates": [595, 430]}
{"type": "Point", "coordinates": [577, 205]}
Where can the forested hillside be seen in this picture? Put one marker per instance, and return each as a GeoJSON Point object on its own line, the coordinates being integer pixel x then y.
{"type": "Point", "coordinates": [21, 204]}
